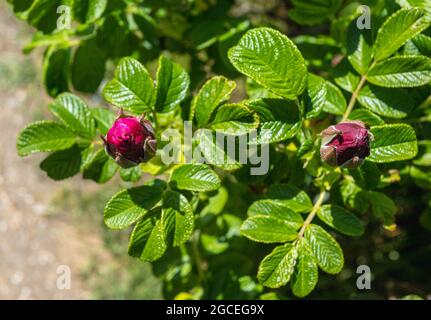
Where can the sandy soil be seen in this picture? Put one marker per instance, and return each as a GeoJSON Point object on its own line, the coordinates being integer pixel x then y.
{"type": "Point", "coordinates": [34, 247]}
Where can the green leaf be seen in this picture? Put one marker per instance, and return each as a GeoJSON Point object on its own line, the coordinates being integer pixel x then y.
{"type": "Point", "coordinates": [215, 150]}
{"type": "Point", "coordinates": [397, 29]}
{"type": "Point", "coordinates": [401, 71]}
{"type": "Point", "coordinates": [132, 87]}
{"type": "Point", "coordinates": [234, 119]}
{"type": "Point", "coordinates": [43, 136]}
{"type": "Point", "coordinates": [290, 196]}
{"type": "Point", "coordinates": [100, 167]}
{"type": "Point", "coordinates": [268, 229]}
{"type": "Point", "coordinates": [55, 73]}
{"type": "Point", "coordinates": [130, 205]}
{"type": "Point", "coordinates": [367, 176]}
{"type": "Point", "coordinates": [390, 103]}
{"type": "Point", "coordinates": [393, 142]}
{"type": "Point", "coordinates": [104, 119]}
{"type": "Point", "coordinates": [132, 174]}
{"type": "Point", "coordinates": [423, 44]}
{"type": "Point", "coordinates": [276, 209]}
{"type": "Point", "coordinates": [147, 241]}
{"type": "Point", "coordinates": [276, 268]}
{"type": "Point", "coordinates": [383, 207]}
{"type": "Point", "coordinates": [315, 96]}
{"type": "Point", "coordinates": [43, 14]}
{"type": "Point", "coordinates": [74, 113]}
{"type": "Point", "coordinates": [88, 67]}
{"type": "Point", "coordinates": [172, 85]}
{"type": "Point", "coordinates": [313, 12]}
{"type": "Point", "coordinates": [366, 117]}
{"type": "Point", "coordinates": [325, 248]}
{"type": "Point", "coordinates": [345, 76]}
{"type": "Point", "coordinates": [335, 102]}
{"type": "Point", "coordinates": [194, 177]}
{"type": "Point", "coordinates": [272, 60]}
{"type": "Point", "coordinates": [62, 164]}
{"type": "Point", "coordinates": [214, 92]}
{"type": "Point", "coordinates": [88, 10]}
{"type": "Point", "coordinates": [304, 279]}
{"type": "Point", "coordinates": [359, 47]}
{"type": "Point", "coordinates": [177, 218]}
{"type": "Point", "coordinates": [341, 220]}
{"type": "Point", "coordinates": [279, 120]}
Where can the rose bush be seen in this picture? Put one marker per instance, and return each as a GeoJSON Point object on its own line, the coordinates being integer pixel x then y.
{"type": "Point", "coordinates": [358, 98]}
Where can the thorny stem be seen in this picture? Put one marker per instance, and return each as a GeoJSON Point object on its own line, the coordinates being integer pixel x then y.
{"type": "Point", "coordinates": [312, 213]}
{"type": "Point", "coordinates": [354, 97]}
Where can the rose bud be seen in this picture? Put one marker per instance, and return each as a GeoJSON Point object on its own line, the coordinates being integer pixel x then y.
{"type": "Point", "coordinates": [345, 144]}
{"type": "Point", "coordinates": [130, 141]}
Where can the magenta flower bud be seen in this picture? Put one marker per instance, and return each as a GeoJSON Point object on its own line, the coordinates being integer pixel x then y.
{"type": "Point", "coordinates": [130, 141]}
{"type": "Point", "coordinates": [345, 144]}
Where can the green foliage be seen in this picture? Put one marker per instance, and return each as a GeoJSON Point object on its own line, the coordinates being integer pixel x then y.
{"type": "Point", "coordinates": [197, 222]}
{"type": "Point", "coordinates": [272, 60]}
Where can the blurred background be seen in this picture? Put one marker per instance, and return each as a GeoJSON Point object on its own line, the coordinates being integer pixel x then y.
{"type": "Point", "coordinates": [46, 225]}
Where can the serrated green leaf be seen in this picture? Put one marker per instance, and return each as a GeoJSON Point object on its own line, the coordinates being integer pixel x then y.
{"type": "Point", "coordinates": [382, 206]}
{"type": "Point", "coordinates": [325, 248]}
{"type": "Point", "coordinates": [88, 67]}
{"type": "Point", "coordinates": [272, 60]}
{"type": "Point", "coordinates": [268, 229]}
{"type": "Point", "coordinates": [335, 102]}
{"type": "Point", "coordinates": [366, 117]}
{"type": "Point", "coordinates": [276, 268]}
{"type": "Point", "coordinates": [315, 96]}
{"type": "Point", "coordinates": [177, 218]}
{"type": "Point", "coordinates": [278, 120]}
{"type": "Point", "coordinates": [62, 164]}
{"type": "Point", "coordinates": [132, 87]}
{"type": "Point", "coordinates": [234, 119]}
{"type": "Point", "coordinates": [396, 30]}
{"type": "Point", "coordinates": [304, 279]}
{"type": "Point", "coordinates": [55, 72]}
{"type": "Point", "coordinates": [341, 220]}
{"type": "Point", "coordinates": [172, 85]}
{"type": "Point", "coordinates": [44, 136]}
{"type": "Point", "coordinates": [104, 119]}
{"type": "Point", "coordinates": [423, 44]}
{"type": "Point", "coordinates": [393, 142]}
{"type": "Point", "coordinates": [130, 205]}
{"type": "Point", "coordinates": [194, 177]}
{"type": "Point", "coordinates": [276, 209]}
{"type": "Point", "coordinates": [74, 113]}
{"type": "Point", "coordinates": [401, 71]}
{"type": "Point", "coordinates": [214, 92]}
{"type": "Point", "coordinates": [147, 241]}
{"type": "Point", "coordinates": [290, 196]}
{"type": "Point", "coordinates": [359, 47]}
{"type": "Point", "coordinates": [390, 103]}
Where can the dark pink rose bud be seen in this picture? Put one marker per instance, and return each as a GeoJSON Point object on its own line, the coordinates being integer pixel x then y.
{"type": "Point", "coordinates": [130, 141]}
{"type": "Point", "coordinates": [345, 144]}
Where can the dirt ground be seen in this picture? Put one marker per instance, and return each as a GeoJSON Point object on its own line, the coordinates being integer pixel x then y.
{"type": "Point", "coordinates": [36, 249]}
